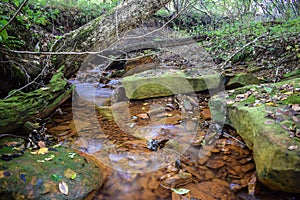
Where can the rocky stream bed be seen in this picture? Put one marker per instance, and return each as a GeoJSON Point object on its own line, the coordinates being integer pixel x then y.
{"type": "Point", "coordinates": [162, 128]}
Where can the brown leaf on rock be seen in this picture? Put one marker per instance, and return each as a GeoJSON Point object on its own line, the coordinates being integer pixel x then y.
{"type": "Point", "coordinates": [49, 186]}
{"type": "Point", "coordinates": [41, 144]}
{"type": "Point", "coordinates": [143, 116]}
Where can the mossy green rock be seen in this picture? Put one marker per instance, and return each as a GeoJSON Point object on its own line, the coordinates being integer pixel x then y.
{"type": "Point", "coordinates": [162, 82]}
{"type": "Point", "coordinates": [263, 126]}
{"type": "Point", "coordinates": [239, 80]}
{"type": "Point", "coordinates": [33, 177]}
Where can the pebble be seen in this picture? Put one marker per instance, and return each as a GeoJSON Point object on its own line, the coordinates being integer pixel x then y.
{"type": "Point", "coordinates": [215, 164]}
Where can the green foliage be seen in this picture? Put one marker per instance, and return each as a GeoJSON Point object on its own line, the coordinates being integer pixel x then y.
{"type": "Point", "coordinates": [230, 37]}
{"type": "Point", "coordinates": [43, 13]}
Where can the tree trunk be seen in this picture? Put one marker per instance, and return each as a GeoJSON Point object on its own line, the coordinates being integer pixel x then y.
{"type": "Point", "coordinates": [94, 36]}
{"type": "Point", "coordinates": [103, 31]}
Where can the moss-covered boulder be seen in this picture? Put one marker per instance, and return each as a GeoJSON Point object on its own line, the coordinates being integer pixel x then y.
{"type": "Point", "coordinates": [164, 82]}
{"type": "Point", "coordinates": [239, 80]}
{"type": "Point", "coordinates": [21, 107]}
{"type": "Point", "coordinates": [53, 173]}
{"type": "Point", "coordinates": [267, 117]}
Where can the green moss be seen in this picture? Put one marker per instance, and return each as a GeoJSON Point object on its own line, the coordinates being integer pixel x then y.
{"type": "Point", "coordinates": [21, 107]}
{"type": "Point", "coordinates": [293, 99]}
{"type": "Point", "coordinates": [251, 99]}
{"type": "Point", "coordinates": [36, 175]}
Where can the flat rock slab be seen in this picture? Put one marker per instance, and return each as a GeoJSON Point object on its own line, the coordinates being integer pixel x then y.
{"type": "Point", "coordinates": [46, 176]}
{"type": "Point", "coordinates": [267, 117]}
{"type": "Point", "coordinates": [239, 80]}
{"type": "Point", "coordinates": [165, 82]}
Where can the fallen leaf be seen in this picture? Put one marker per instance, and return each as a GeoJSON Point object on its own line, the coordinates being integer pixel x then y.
{"type": "Point", "coordinates": [180, 190]}
{"type": "Point", "coordinates": [49, 158]}
{"type": "Point", "coordinates": [9, 144]}
{"type": "Point", "coordinates": [49, 186]}
{"type": "Point", "coordinates": [63, 188]}
{"type": "Point", "coordinates": [293, 147]}
{"type": "Point", "coordinates": [271, 104]}
{"type": "Point", "coordinates": [43, 150]}
{"type": "Point", "coordinates": [143, 116]}
{"type": "Point", "coordinates": [69, 173]}
{"type": "Point", "coordinates": [41, 144]}
{"type": "Point", "coordinates": [296, 119]}
{"type": "Point", "coordinates": [1, 174]}
{"type": "Point", "coordinates": [71, 155]}
{"type": "Point", "coordinates": [296, 107]}
{"type": "Point", "coordinates": [230, 101]}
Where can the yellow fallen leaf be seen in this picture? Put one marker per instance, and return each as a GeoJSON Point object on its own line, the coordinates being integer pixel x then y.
{"type": "Point", "coordinates": [271, 104]}
{"type": "Point", "coordinates": [1, 174]}
{"type": "Point", "coordinates": [43, 150]}
{"type": "Point", "coordinates": [69, 173]}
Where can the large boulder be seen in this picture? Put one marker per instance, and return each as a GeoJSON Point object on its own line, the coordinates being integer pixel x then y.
{"type": "Point", "coordinates": [50, 173]}
{"type": "Point", "coordinates": [164, 82]}
{"type": "Point", "coordinates": [267, 118]}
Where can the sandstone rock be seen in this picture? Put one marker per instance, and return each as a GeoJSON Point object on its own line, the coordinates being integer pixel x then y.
{"type": "Point", "coordinates": [38, 176]}
{"type": "Point", "coordinates": [248, 110]}
{"type": "Point", "coordinates": [164, 82]}
{"type": "Point", "coordinates": [239, 80]}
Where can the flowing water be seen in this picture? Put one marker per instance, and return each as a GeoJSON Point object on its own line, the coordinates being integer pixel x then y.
{"type": "Point", "coordinates": [119, 136]}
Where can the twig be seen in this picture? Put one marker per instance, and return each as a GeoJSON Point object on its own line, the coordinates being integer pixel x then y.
{"type": "Point", "coordinates": [243, 47]}
{"type": "Point", "coordinates": [15, 15]}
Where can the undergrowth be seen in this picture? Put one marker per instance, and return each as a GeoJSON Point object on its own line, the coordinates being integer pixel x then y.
{"type": "Point", "coordinates": [231, 37]}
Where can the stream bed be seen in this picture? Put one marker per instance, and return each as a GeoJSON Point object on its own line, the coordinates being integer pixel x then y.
{"type": "Point", "coordinates": [155, 152]}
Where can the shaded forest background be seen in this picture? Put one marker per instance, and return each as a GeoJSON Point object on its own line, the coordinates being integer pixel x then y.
{"type": "Point", "coordinates": [229, 25]}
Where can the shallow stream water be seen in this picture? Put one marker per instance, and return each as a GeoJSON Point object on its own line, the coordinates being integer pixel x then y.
{"type": "Point", "coordinates": [189, 155]}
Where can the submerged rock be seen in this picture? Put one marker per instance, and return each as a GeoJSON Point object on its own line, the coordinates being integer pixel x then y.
{"type": "Point", "coordinates": [60, 173]}
{"type": "Point", "coordinates": [266, 117]}
{"type": "Point", "coordinates": [164, 82]}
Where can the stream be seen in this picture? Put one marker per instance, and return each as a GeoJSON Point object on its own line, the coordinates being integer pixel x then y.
{"type": "Point", "coordinates": [155, 147]}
